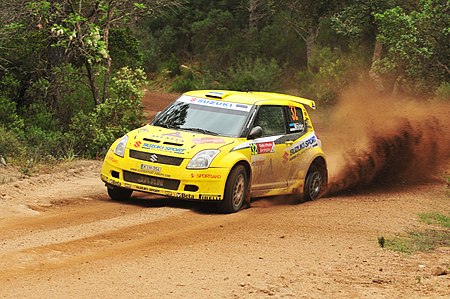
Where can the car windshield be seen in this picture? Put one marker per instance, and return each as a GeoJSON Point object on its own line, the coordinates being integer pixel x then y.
{"type": "Point", "coordinates": [205, 116]}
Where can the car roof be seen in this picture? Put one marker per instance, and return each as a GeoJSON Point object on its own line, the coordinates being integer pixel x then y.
{"type": "Point", "coordinates": [250, 97]}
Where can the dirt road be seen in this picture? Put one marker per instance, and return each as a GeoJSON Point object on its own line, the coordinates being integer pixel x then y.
{"type": "Point", "coordinates": [62, 237]}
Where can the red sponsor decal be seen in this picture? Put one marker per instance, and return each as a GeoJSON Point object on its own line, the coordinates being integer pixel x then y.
{"type": "Point", "coordinates": [265, 147]}
{"type": "Point", "coordinates": [137, 144]}
{"type": "Point", "coordinates": [208, 140]}
{"type": "Point", "coordinates": [112, 159]}
{"type": "Point", "coordinates": [285, 157]}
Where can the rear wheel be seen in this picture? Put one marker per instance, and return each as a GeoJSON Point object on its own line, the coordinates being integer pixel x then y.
{"type": "Point", "coordinates": [315, 183]}
{"type": "Point", "coordinates": [118, 193]}
{"type": "Point", "coordinates": [235, 191]}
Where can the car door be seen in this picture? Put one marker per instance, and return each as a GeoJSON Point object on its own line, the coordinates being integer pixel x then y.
{"type": "Point", "coordinates": [295, 139]}
{"type": "Point", "coordinates": [267, 151]}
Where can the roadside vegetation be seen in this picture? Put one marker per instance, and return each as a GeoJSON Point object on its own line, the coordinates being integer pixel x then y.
{"type": "Point", "coordinates": [438, 235]}
{"type": "Point", "coordinates": [73, 72]}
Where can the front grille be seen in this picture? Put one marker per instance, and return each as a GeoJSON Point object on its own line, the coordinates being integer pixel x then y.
{"type": "Point", "coordinates": [151, 180]}
{"type": "Point", "coordinates": [156, 158]}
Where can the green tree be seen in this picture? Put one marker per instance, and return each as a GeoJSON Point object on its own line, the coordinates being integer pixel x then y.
{"type": "Point", "coordinates": [417, 47]}
{"type": "Point", "coordinates": [305, 18]}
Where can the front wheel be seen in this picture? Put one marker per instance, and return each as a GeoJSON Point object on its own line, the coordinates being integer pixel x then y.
{"type": "Point", "coordinates": [119, 194]}
{"type": "Point", "coordinates": [314, 184]}
{"type": "Point", "coordinates": [235, 191]}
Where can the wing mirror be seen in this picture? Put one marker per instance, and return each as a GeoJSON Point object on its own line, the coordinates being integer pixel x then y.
{"type": "Point", "coordinates": [255, 132]}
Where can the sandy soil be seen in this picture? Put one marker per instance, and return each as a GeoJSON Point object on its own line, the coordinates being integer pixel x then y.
{"type": "Point", "coordinates": [62, 237]}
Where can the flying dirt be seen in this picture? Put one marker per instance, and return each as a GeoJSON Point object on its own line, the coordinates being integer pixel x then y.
{"type": "Point", "coordinates": [382, 141]}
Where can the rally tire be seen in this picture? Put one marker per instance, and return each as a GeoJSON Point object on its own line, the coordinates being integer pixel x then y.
{"type": "Point", "coordinates": [315, 183]}
{"type": "Point", "coordinates": [235, 191]}
{"type": "Point", "coordinates": [119, 194]}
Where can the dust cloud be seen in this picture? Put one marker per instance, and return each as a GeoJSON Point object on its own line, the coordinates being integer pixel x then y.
{"type": "Point", "coordinates": [372, 140]}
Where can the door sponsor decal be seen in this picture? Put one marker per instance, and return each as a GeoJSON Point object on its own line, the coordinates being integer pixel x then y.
{"type": "Point", "coordinates": [262, 148]}
{"type": "Point", "coordinates": [298, 147]}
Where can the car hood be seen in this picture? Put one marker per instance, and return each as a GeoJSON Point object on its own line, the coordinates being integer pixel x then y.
{"type": "Point", "coordinates": [171, 142]}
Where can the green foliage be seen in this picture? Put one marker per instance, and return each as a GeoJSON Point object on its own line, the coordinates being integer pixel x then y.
{"type": "Point", "coordinates": [417, 44]}
{"type": "Point", "coordinates": [43, 143]}
{"type": "Point", "coordinates": [254, 75]}
{"type": "Point", "coordinates": [91, 134]}
{"type": "Point", "coordinates": [423, 240]}
{"type": "Point", "coordinates": [124, 48]}
{"type": "Point", "coordinates": [442, 93]}
{"type": "Point", "coordinates": [184, 82]}
{"type": "Point", "coordinates": [10, 144]}
{"type": "Point", "coordinates": [329, 73]}
{"type": "Point", "coordinates": [8, 115]}
{"type": "Point", "coordinates": [435, 218]}
{"type": "Point", "coordinates": [216, 40]}
{"type": "Point", "coordinates": [419, 241]}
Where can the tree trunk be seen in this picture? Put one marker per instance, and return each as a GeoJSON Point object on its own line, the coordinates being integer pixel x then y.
{"type": "Point", "coordinates": [93, 84]}
{"type": "Point", "coordinates": [377, 81]}
{"type": "Point", "coordinates": [313, 32]}
{"type": "Point", "coordinates": [108, 59]}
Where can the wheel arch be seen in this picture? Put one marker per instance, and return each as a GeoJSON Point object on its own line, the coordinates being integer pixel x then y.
{"type": "Point", "coordinates": [319, 162]}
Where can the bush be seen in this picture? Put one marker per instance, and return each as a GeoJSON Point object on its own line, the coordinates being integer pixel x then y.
{"type": "Point", "coordinates": [10, 145]}
{"type": "Point", "coordinates": [442, 93]}
{"type": "Point", "coordinates": [43, 143]}
{"type": "Point", "coordinates": [91, 134]}
{"type": "Point", "coordinates": [328, 74]}
{"type": "Point", "coordinates": [254, 75]}
{"type": "Point", "coordinates": [184, 82]}
{"type": "Point", "coordinates": [8, 115]}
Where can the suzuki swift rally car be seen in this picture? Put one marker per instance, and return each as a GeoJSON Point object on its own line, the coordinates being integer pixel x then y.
{"type": "Point", "coordinates": [222, 146]}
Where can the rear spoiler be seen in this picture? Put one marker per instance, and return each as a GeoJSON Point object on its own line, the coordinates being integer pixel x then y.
{"type": "Point", "coordinates": [280, 96]}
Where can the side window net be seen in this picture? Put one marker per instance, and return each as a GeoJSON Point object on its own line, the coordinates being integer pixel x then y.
{"type": "Point", "coordinates": [271, 120]}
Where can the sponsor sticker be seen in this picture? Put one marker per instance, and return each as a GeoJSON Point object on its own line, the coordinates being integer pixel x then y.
{"type": "Point", "coordinates": [294, 151]}
{"type": "Point", "coordinates": [173, 135]}
{"type": "Point", "coordinates": [112, 159]}
{"type": "Point", "coordinates": [137, 144]}
{"type": "Point", "coordinates": [262, 148]}
{"type": "Point", "coordinates": [185, 196]}
{"type": "Point", "coordinates": [215, 103]}
{"type": "Point", "coordinates": [209, 197]}
{"type": "Point", "coordinates": [296, 127]}
{"type": "Point", "coordinates": [171, 149]}
{"type": "Point", "coordinates": [208, 140]}
{"type": "Point", "coordinates": [205, 176]}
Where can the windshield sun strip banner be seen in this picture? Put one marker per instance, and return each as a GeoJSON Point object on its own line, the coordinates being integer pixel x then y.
{"type": "Point", "coordinates": [215, 103]}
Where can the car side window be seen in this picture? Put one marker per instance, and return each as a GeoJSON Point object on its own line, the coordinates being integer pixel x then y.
{"type": "Point", "coordinates": [296, 123]}
{"type": "Point", "coordinates": [271, 119]}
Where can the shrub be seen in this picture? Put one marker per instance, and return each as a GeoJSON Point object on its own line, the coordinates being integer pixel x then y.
{"type": "Point", "coordinates": [8, 115]}
{"type": "Point", "coordinates": [328, 74]}
{"type": "Point", "coordinates": [254, 75]}
{"type": "Point", "coordinates": [43, 143]}
{"type": "Point", "coordinates": [10, 145]}
{"type": "Point", "coordinates": [91, 134]}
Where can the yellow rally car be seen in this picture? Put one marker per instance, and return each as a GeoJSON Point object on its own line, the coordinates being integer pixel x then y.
{"type": "Point", "coordinates": [223, 146]}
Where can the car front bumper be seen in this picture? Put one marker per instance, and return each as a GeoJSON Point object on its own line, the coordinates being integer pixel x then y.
{"type": "Point", "coordinates": [168, 180]}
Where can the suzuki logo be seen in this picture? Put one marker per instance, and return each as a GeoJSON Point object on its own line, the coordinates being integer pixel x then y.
{"type": "Point", "coordinates": [153, 158]}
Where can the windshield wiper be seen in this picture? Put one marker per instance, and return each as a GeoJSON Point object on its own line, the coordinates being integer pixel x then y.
{"type": "Point", "coordinates": [201, 131]}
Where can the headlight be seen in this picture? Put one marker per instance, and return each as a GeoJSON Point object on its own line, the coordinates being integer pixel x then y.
{"type": "Point", "coordinates": [119, 150]}
{"type": "Point", "coordinates": [202, 159]}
